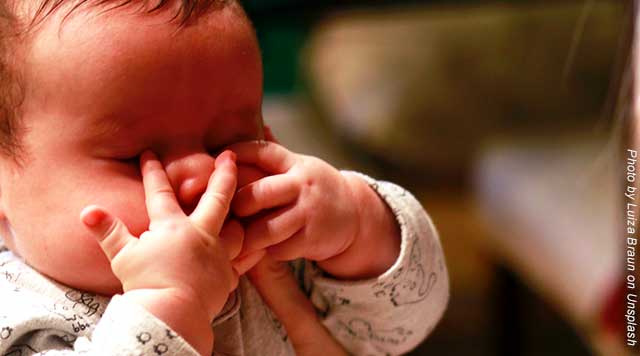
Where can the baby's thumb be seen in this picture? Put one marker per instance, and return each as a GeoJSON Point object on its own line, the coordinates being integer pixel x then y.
{"type": "Point", "coordinates": [111, 233]}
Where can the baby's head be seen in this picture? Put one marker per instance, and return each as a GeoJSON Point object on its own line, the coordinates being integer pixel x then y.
{"type": "Point", "coordinates": [99, 82]}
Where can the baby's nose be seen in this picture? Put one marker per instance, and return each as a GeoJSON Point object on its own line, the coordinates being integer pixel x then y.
{"type": "Point", "coordinates": [189, 175]}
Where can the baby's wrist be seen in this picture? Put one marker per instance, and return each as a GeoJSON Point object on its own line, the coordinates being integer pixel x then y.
{"type": "Point", "coordinates": [376, 246]}
{"type": "Point", "coordinates": [183, 314]}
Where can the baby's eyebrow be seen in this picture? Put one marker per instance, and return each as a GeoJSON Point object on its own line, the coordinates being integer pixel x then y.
{"type": "Point", "coordinates": [107, 127]}
{"type": "Point", "coordinates": [104, 128]}
{"type": "Point", "coordinates": [115, 131]}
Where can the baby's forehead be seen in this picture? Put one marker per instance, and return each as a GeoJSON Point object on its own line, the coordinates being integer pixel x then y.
{"type": "Point", "coordinates": [140, 80]}
{"type": "Point", "coordinates": [111, 21]}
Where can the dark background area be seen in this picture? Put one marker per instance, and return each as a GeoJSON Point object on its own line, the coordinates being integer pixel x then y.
{"type": "Point", "coordinates": [536, 79]}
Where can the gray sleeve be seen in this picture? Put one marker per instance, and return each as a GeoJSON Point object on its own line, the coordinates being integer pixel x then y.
{"type": "Point", "coordinates": [393, 313]}
{"type": "Point", "coordinates": [30, 324]}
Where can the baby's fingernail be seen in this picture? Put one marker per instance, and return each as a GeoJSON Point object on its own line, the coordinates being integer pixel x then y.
{"type": "Point", "coordinates": [92, 217]}
{"type": "Point", "coordinates": [148, 155]}
{"type": "Point", "coordinates": [228, 155]}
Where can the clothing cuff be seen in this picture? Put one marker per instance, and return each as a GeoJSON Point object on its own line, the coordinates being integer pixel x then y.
{"type": "Point", "coordinates": [409, 280]}
{"type": "Point", "coordinates": [129, 329]}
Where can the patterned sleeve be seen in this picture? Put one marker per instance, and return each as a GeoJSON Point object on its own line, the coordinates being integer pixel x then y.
{"type": "Point", "coordinates": [393, 313]}
{"type": "Point", "coordinates": [137, 332]}
{"type": "Point", "coordinates": [32, 325]}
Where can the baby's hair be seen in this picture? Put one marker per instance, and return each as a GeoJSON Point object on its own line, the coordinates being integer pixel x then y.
{"type": "Point", "coordinates": [13, 31]}
{"type": "Point", "coordinates": [188, 8]}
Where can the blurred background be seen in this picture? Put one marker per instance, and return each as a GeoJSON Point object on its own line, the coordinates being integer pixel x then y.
{"type": "Point", "coordinates": [498, 115]}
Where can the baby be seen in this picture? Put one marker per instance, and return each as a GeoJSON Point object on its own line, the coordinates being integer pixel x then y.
{"type": "Point", "coordinates": [126, 227]}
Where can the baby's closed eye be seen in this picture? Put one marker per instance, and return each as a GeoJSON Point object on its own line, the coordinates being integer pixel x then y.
{"type": "Point", "coordinates": [130, 160]}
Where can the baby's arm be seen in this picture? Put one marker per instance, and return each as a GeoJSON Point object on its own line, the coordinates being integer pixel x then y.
{"type": "Point", "coordinates": [376, 245]}
{"type": "Point", "coordinates": [281, 292]}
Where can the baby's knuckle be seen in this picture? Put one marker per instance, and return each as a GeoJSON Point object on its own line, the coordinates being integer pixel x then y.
{"type": "Point", "coordinates": [182, 229]}
{"type": "Point", "coordinates": [169, 225]}
{"type": "Point", "coordinates": [261, 190]}
{"type": "Point", "coordinates": [313, 163]}
{"type": "Point", "coordinates": [111, 232]}
{"type": "Point", "coordinates": [207, 242]}
{"type": "Point", "coordinates": [278, 271]}
{"type": "Point", "coordinates": [305, 181]}
{"type": "Point", "coordinates": [308, 211]}
{"type": "Point", "coordinates": [121, 261]}
{"type": "Point", "coordinates": [162, 192]}
{"type": "Point", "coordinates": [217, 199]}
{"type": "Point", "coordinates": [162, 201]}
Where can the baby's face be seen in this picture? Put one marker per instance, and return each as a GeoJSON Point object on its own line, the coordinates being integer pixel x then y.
{"type": "Point", "coordinates": [101, 89]}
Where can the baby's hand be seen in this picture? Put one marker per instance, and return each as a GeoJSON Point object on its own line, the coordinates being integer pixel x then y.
{"type": "Point", "coordinates": [177, 269]}
{"type": "Point", "coordinates": [307, 208]}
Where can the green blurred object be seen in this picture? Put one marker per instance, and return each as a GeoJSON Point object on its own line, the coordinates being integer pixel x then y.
{"type": "Point", "coordinates": [280, 45]}
{"type": "Point", "coordinates": [265, 4]}
{"type": "Point", "coordinates": [281, 38]}
{"type": "Point", "coordinates": [283, 27]}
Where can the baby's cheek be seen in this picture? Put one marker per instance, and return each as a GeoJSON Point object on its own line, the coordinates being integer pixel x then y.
{"type": "Point", "coordinates": [133, 215]}
{"type": "Point", "coordinates": [60, 248]}
{"type": "Point", "coordinates": [124, 198]}
{"type": "Point", "coordinates": [129, 207]}
{"type": "Point", "coordinates": [76, 258]}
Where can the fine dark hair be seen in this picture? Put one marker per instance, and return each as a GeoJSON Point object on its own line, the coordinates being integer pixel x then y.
{"type": "Point", "coordinates": [12, 34]}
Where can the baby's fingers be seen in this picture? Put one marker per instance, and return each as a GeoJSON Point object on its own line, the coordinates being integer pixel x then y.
{"type": "Point", "coordinates": [231, 236]}
{"type": "Point", "coordinates": [268, 156]}
{"type": "Point", "coordinates": [159, 196]}
{"type": "Point", "coordinates": [273, 228]}
{"type": "Point", "coordinates": [266, 193]}
{"type": "Point", "coordinates": [214, 204]}
{"type": "Point", "coordinates": [248, 174]}
{"type": "Point", "coordinates": [247, 262]}
{"type": "Point", "coordinates": [111, 233]}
